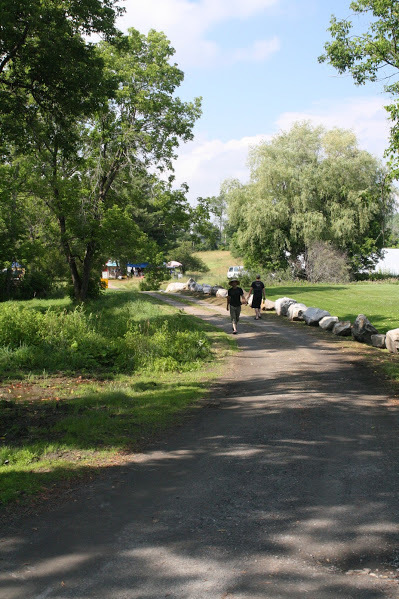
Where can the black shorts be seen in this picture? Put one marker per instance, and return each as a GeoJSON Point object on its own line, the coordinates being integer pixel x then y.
{"type": "Point", "coordinates": [256, 301]}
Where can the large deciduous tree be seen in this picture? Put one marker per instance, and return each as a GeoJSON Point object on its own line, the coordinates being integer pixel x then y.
{"type": "Point", "coordinates": [310, 184]}
{"type": "Point", "coordinates": [372, 55]}
{"type": "Point", "coordinates": [46, 63]}
{"type": "Point", "coordinates": [79, 171]}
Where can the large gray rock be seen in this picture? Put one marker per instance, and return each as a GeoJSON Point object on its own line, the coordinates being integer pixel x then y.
{"type": "Point", "coordinates": [176, 287]}
{"type": "Point", "coordinates": [327, 322]}
{"type": "Point", "coordinates": [215, 289]}
{"type": "Point", "coordinates": [207, 289]}
{"type": "Point", "coordinates": [269, 305]}
{"type": "Point", "coordinates": [295, 311]}
{"type": "Point", "coordinates": [378, 341]}
{"type": "Point", "coordinates": [312, 316]}
{"type": "Point", "coordinates": [282, 304]}
{"type": "Point", "coordinates": [392, 341]}
{"type": "Point", "coordinates": [342, 328]}
{"type": "Point", "coordinates": [221, 293]}
{"type": "Point", "coordinates": [363, 329]}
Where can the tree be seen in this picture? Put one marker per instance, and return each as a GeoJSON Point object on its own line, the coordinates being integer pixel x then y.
{"type": "Point", "coordinates": [370, 56]}
{"type": "Point", "coordinates": [310, 184]}
{"type": "Point", "coordinates": [138, 127]}
{"type": "Point", "coordinates": [46, 63]}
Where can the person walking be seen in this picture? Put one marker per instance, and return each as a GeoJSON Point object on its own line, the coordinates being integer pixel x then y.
{"type": "Point", "coordinates": [258, 292]}
{"type": "Point", "coordinates": [234, 302]}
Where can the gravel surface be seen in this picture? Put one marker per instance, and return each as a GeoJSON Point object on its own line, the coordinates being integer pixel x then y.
{"type": "Point", "coordinates": [283, 486]}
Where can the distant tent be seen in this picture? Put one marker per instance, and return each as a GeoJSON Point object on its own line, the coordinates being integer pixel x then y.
{"type": "Point", "coordinates": [137, 265]}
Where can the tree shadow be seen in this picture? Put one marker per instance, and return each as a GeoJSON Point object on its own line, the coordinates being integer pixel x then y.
{"type": "Point", "coordinates": [275, 491]}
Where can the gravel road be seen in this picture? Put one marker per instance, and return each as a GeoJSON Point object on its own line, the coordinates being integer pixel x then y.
{"type": "Point", "coordinates": [283, 486]}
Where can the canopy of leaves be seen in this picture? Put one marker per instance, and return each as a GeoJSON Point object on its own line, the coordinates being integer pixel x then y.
{"type": "Point", "coordinates": [370, 56]}
{"type": "Point", "coordinates": [45, 61]}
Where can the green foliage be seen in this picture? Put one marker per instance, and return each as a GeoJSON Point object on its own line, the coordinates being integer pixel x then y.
{"type": "Point", "coordinates": [98, 338]}
{"type": "Point", "coordinates": [370, 56]}
{"type": "Point", "coordinates": [46, 64]}
{"type": "Point", "coordinates": [306, 185]}
{"type": "Point", "coordinates": [82, 171]}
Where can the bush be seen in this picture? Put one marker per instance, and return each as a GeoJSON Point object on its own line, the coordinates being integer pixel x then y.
{"type": "Point", "coordinates": [80, 339]}
{"type": "Point", "coordinates": [153, 279]}
{"type": "Point", "coordinates": [326, 264]}
{"type": "Point", "coordinates": [31, 285]}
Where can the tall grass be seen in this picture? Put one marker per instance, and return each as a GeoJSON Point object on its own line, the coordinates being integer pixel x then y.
{"type": "Point", "coordinates": [129, 335]}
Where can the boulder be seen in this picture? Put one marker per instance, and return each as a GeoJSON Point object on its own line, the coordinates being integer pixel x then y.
{"type": "Point", "coordinates": [312, 316]}
{"type": "Point", "coordinates": [295, 311]}
{"type": "Point", "coordinates": [192, 286]}
{"type": "Point", "coordinates": [215, 288]}
{"type": "Point", "coordinates": [282, 304]}
{"type": "Point", "coordinates": [378, 341]}
{"type": "Point", "coordinates": [363, 329]}
{"type": "Point", "coordinates": [221, 293]}
{"type": "Point", "coordinates": [327, 322]}
{"type": "Point", "coordinates": [199, 288]}
{"type": "Point", "coordinates": [175, 287]}
{"type": "Point", "coordinates": [342, 328]}
{"type": "Point", "coordinates": [190, 282]}
{"type": "Point", "coordinates": [392, 341]}
{"type": "Point", "coordinates": [207, 289]}
{"type": "Point", "coordinates": [269, 305]}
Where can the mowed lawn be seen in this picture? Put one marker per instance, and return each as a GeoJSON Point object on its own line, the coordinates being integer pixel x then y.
{"type": "Point", "coordinates": [378, 301]}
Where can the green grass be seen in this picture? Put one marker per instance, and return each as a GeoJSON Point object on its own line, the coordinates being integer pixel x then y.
{"type": "Point", "coordinates": [218, 262]}
{"type": "Point", "coordinates": [58, 423]}
{"type": "Point", "coordinates": [378, 301]}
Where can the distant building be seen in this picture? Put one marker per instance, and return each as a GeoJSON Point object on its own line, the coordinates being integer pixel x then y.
{"type": "Point", "coordinates": [389, 263]}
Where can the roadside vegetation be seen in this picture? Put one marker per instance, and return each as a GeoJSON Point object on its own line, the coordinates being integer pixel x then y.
{"type": "Point", "coordinates": [82, 386]}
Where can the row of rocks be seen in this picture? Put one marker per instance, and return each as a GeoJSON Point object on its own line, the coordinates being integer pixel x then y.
{"type": "Point", "coordinates": [361, 330]}
{"type": "Point", "coordinates": [192, 285]}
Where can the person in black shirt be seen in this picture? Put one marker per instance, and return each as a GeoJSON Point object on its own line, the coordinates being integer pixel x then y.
{"type": "Point", "coordinates": [234, 296]}
{"type": "Point", "coordinates": [258, 292]}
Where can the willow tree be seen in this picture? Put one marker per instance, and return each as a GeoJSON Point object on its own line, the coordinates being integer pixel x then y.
{"type": "Point", "coordinates": [310, 184]}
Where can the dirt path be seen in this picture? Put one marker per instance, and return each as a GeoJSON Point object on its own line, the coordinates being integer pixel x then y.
{"type": "Point", "coordinates": [285, 487]}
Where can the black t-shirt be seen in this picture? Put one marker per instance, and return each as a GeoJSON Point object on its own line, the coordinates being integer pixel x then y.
{"type": "Point", "coordinates": [257, 287]}
{"type": "Point", "coordinates": [235, 294]}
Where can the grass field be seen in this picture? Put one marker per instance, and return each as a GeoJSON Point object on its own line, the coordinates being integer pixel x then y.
{"type": "Point", "coordinates": [80, 388]}
{"type": "Point", "coordinates": [218, 263]}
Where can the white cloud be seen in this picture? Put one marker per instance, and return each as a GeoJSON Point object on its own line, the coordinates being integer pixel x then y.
{"type": "Point", "coordinates": [366, 117]}
{"type": "Point", "coordinates": [258, 52]}
{"type": "Point", "coordinates": [187, 23]}
{"type": "Point", "coordinates": [205, 163]}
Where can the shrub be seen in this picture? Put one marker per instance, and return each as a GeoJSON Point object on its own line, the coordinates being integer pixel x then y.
{"type": "Point", "coordinates": [326, 264]}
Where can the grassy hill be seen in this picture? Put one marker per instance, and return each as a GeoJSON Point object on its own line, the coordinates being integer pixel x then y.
{"type": "Point", "coordinates": [218, 262]}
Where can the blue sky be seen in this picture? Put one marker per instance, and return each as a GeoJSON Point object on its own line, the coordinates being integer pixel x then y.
{"type": "Point", "coordinates": [254, 62]}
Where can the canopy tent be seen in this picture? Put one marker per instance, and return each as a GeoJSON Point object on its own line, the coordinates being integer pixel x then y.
{"type": "Point", "coordinates": [137, 265]}
{"type": "Point", "coordinates": [173, 264]}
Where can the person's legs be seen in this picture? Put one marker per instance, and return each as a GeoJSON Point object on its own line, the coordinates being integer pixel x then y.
{"type": "Point", "coordinates": [235, 316]}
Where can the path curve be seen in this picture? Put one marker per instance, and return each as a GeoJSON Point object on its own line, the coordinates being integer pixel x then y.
{"type": "Point", "coordinates": [285, 486]}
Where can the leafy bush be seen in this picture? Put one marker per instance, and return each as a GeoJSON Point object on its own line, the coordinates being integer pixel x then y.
{"type": "Point", "coordinates": [153, 278]}
{"type": "Point", "coordinates": [81, 339]}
